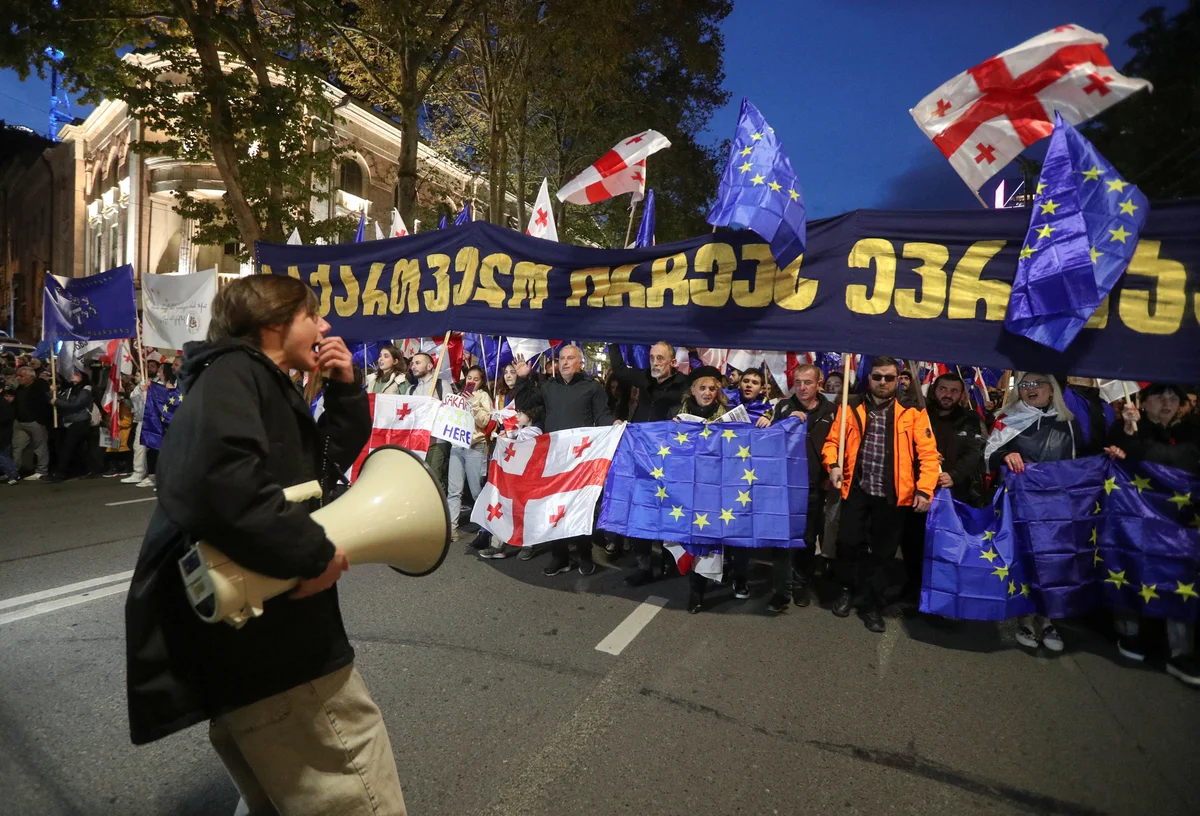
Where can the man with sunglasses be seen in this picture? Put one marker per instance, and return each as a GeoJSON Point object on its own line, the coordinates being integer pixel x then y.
{"type": "Point", "coordinates": [891, 469]}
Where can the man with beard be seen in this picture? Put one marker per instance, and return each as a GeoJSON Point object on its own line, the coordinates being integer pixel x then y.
{"type": "Point", "coordinates": [421, 382]}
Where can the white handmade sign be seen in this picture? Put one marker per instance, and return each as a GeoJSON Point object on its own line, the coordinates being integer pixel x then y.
{"type": "Point", "coordinates": [176, 308]}
{"type": "Point", "coordinates": [454, 422]}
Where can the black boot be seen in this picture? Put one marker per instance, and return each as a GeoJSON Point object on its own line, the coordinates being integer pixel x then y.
{"type": "Point", "coordinates": [778, 603]}
{"type": "Point", "coordinates": [841, 607]}
{"type": "Point", "coordinates": [873, 620]}
{"type": "Point", "coordinates": [801, 595]}
{"type": "Point", "coordinates": [695, 602]}
{"type": "Point", "coordinates": [639, 577]}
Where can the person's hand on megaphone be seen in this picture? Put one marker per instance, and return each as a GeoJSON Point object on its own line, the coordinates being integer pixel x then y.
{"type": "Point", "coordinates": [337, 565]}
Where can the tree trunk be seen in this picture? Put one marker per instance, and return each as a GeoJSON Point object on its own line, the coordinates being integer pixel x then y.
{"type": "Point", "coordinates": [501, 218]}
{"type": "Point", "coordinates": [522, 127]}
{"type": "Point", "coordinates": [406, 176]}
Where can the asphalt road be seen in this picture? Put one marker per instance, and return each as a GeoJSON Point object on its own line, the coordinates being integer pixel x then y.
{"type": "Point", "coordinates": [498, 701]}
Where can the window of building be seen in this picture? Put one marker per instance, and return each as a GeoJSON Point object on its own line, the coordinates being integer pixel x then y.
{"type": "Point", "coordinates": [350, 178]}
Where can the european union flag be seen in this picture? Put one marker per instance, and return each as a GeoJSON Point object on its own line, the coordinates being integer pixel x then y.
{"type": "Point", "coordinates": [493, 352]}
{"type": "Point", "coordinates": [759, 190]}
{"type": "Point", "coordinates": [158, 413]}
{"type": "Point", "coordinates": [1082, 233]}
{"type": "Point", "coordinates": [365, 355]}
{"type": "Point", "coordinates": [442, 223]}
{"type": "Point", "coordinates": [636, 356]}
{"type": "Point", "coordinates": [362, 226]}
{"type": "Point", "coordinates": [464, 217]}
{"type": "Point", "coordinates": [705, 485]}
{"type": "Point", "coordinates": [645, 233]}
{"type": "Point", "coordinates": [97, 307]}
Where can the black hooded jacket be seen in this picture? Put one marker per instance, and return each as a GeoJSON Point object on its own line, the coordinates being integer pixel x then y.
{"type": "Point", "coordinates": [242, 434]}
{"type": "Point", "coordinates": [656, 399]}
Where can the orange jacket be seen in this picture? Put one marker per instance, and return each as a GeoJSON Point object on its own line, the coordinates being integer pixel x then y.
{"type": "Point", "coordinates": [914, 450]}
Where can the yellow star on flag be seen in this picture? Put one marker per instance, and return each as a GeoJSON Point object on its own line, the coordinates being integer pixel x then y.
{"type": "Point", "coordinates": [1093, 174]}
{"type": "Point", "coordinates": [743, 497]}
{"type": "Point", "coordinates": [1141, 482]}
{"type": "Point", "coordinates": [988, 535]}
{"type": "Point", "coordinates": [756, 136]}
{"type": "Point", "coordinates": [662, 492]}
{"type": "Point", "coordinates": [1119, 234]}
{"type": "Point", "coordinates": [1096, 559]}
{"type": "Point", "coordinates": [681, 437]}
{"type": "Point", "coordinates": [1181, 500]}
{"type": "Point", "coordinates": [706, 433]}
{"type": "Point", "coordinates": [746, 167]}
{"type": "Point", "coordinates": [729, 434]}
{"type": "Point", "coordinates": [1110, 484]}
{"type": "Point", "coordinates": [1001, 571]}
{"type": "Point", "coordinates": [1012, 588]}
{"type": "Point", "coordinates": [1117, 186]}
{"type": "Point", "coordinates": [664, 451]}
{"type": "Point", "coordinates": [1096, 512]}
{"type": "Point", "coordinates": [749, 476]}
{"type": "Point", "coordinates": [657, 473]}
{"type": "Point", "coordinates": [758, 178]}
{"type": "Point", "coordinates": [1049, 207]}
{"type": "Point", "coordinates": [1044, 231]}
{"type": "Point", "coordinates": [1117, 578]}
{"type": "Point", "coordinates": [989, 554]}
{"type": "Point", "coordinates": [743, 452]}
{"type": "Point", "coordinates": [1039, 189]}
{"type": "Point", "coordinates": [747, 150]}
{"type": "Point", "coordinates": [1127, 207]}
{"type": "Point", "coordinates": [701, 520]}
{"type": "Point", "coordinates": [1095, 254]}
{"type": "Point", "coordinates": [793, 194]}
{"type": "Point", "coordinates": [676, 512]}
{"type": "Point", "coordinates": [1186, 591]}
{"type": "Point", "coordinates": [1027, 252]}
{"type": "Point", "coordinates": [726, 515]}
{"type": "Point", "coordinates": [775, 186]}
{"type": "Point", "coordinates": [1025, 590]}
{"type": "Point", "coordinates": [1148, 593]}
{"type": "Point", "coordinates": [1092, 540]}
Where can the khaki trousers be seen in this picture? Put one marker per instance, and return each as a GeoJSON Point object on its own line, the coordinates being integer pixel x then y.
{"type": "Point", "coordinates": [319, 748]}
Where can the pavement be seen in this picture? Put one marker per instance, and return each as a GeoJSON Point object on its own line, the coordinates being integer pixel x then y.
{"type": "Point", "coordinates": [498, 700]}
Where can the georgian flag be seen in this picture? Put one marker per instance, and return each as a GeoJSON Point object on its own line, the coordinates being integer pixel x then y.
{"type": "Point", "coordinates": [378, 232]}
{"type": "Point", "coordinates": [120, 360]}
{"type": "Point", "coordinates": [398, 229]}
{"type": "Point", "coordinates": [983, 118]}
{"type": "Point", "coordinates": [546, 488]}
{"type": "Point", "coordinates": [399, 420]}
{"type": "Point", "coordinates": [710, 566]}
{"type": "Point", "coordinates": [541, 220]}
{"type": "Point", "coordinates": [620, 170]}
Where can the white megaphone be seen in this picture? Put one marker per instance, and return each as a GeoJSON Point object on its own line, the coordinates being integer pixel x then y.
{"type": "Point", "coordinates": [395, 514]}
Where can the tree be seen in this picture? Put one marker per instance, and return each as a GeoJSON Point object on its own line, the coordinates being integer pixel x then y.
{"type": "Point", "coordinates": [1154, 138]}
{"type": "Point", "coordinates": [234, 82]}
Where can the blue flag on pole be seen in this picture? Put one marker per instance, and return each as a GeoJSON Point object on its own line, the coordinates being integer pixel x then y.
{"type": "Point", "coordinates": [705, 485]}
{"type": "Point", "coordinates": [464, 217]}
{"type": "Point", "coordinates": [362, 226]}
{"type": "Point", "coordinates": [759, 189]}
{"type": "Point", "coordinates": [99, 307]}
{"type": "Point", "coordinates": [645, 233]}
{"type": "Point", "coordinates": [161, 403]}
{"type": "Point", "coordinates": [1082, 233]}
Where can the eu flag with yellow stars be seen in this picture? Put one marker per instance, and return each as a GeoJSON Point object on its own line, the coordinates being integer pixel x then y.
{"type": "Point", "coordinates": [708, 485]}
{"type": "Point", "coordinates": [759, 190]}
{"type": "Point", "coordinates": [1082, 234]}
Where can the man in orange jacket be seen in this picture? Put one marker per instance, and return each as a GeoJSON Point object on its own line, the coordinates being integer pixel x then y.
{"type": "Point", "coordinates": [891, 468]}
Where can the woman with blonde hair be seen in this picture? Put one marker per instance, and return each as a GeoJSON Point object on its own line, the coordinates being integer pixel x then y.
{"type": "Point", "coordinates": [1035, 425]}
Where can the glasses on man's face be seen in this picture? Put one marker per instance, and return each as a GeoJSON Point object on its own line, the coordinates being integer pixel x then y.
{"type": "Point", "coordinates": [883, 377]}
{"type": "Point", "coordinates": [1032, 385]}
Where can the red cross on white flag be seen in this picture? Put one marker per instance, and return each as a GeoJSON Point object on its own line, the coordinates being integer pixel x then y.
{"type": "Point", "coordinates": [399, 420]}
{"type": "Point", "coordinates": [546, 488]}
{"type": "Point", "coordinates": [620, 170]}
{"type": "Point", "coordinates": [983, 118]}
{"type": "Point", "coordinates": [541, 220]}
{"type": "Point", "coordinates": [398, 229]}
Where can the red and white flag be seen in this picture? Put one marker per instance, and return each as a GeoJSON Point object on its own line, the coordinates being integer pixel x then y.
{"type": "Point", "coordinates": [546, 489]}
{"type": "Point", "coordinates": [620, 170]}
{"type": "Point", "coordinates": [541, 220]}
{"type": "Point", "coordinates": [399, 420]}
{"type": "Point", "coordinates": [983, 118]}
{"type": "Point", "coordinates": [710, 566]}
{"type": "Point", "coordinates": [398, 229]}
{"type": "Point", "coordinates": [120, 360]}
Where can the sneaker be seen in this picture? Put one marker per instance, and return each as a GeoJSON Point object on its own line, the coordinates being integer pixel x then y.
{"type": "Point", "coordinates": [1130, 648]}
{"type": "Point", "coordinates": [1051, 639]}
{"type": "Point", "coordinates": [740, 590]}
{"type": "Point", "coordinates": [134, 479]}
{"type": "Point", "coordinates": [147, 482]}
{"type": "Point", "coordinates": [639, 577]}
{"type": "Point", "coordinates": [841, 607]}
{"type": "Point", "coordinates": [1027, 637]}
{"type": "Point", "coordinates": [527, 553]}
{"type": "Point", "coordinates": [873, 620]}
{"type": "Point", "coordinates": [613, 548]}
{"type": "Point", "coordinates": [556, 568]}
{"type": "Point", "coordinates": [1185, 669]}
{"type": "Point", "coordinates": [13, 481]}
{"type": "Point", "coordinates": [587, 567]}
{"type": "Point", "coordinates": [35, 477]}
{"type": "Point", "coordinates": [778, 603]}
{"type": "Point", "coordinates": [494, 552]}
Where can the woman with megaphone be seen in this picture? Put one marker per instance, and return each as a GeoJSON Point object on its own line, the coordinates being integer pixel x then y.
{"type": "Point", "coordinates": [273, 687]}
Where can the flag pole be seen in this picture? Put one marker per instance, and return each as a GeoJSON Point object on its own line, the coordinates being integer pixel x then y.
{"type": "Point", "coordinates": [842, 417]}
{"type": "Point", "coordinates": [54, 381]}
{"type": "Point", "coordinates": [633, 207]}
{"type": "Point", "coordinates": [441, 358]}
{"type": "Point", "coordinates": [1125, 388]}
{"type": "Point", "coordinates": [979, 198]}
{"type": "Point", "coordinates": [141, 348]}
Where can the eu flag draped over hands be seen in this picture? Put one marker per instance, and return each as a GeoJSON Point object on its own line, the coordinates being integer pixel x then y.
{"type": "Point", "coordinates": [704, 485]}
{"type": "Point", "coordinates": [1082, 233]}
{"type": "Point", "coordinates": [759, 190]}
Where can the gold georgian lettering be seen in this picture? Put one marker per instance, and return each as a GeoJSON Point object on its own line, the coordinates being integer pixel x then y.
{"type": "Point", "coordinates": [406, 281]}
{"type": "Point", "coordinates": [320, 281]}
{"type": "Point", "coordinates": [374, 299]}
{"type": "Point", "coordinates": [933, 282]}
{"type": "Point", "coordinates": [668, 275]}
{"type": "Point", "coordinates": [347, 306]}
{"type": "Point", "coordinates": [619, 286]}
{"type": "Point", "coordinates": [1160, 309]}
{"type": "Point", "coordinates": [489, 291]}
{"type": "Point", "coordinates": [792, 291]}
{"type": "Point", "coordinates": [764, 277]}
{"type": "Point", "coordinates": [1099, 318]}
{"type": "Point", "coordinates": [466, 264]}
{"type": "Point", "coordinates": [867, 251]}
{"type": "Point", "coordinates": [966, 288]}
{"type": "Point", "coordinates": [719, 261]}
{"type": "Point", "coordinates": [579, 286]}
{"type": "Point", "coordinates": [438, 300]}
{"type": "Point", "coordinates": [530, 280]}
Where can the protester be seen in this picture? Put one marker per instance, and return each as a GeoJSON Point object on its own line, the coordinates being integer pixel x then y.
{"type": "Point", "coordinates": [1157, 434]}
{"type": "Point", "coordinates": [751, 395]}
{"type": "Point", "coordinates": [74, 404]}
{"type": "Point", "coordinates": [421, 382]}
{"type": "Point", "coordinates": [8, 416]}
{"type": "Point", "coordinates": [504, 388]}
{"type": "Point", "coordinates": [833, 386]}
{"type": "Point", "coordinates": [137, 404]}
{"type": "Point", "coordinates": [734, 378]}
{"type": "Point", "coordinates": [890, 471]}
{"type": "Point", "coordinates": [531, 415]}
{"type": "Point", "coordinates": [389, 375]}
{"type": "Point", "coordinates": [573, 400]}
{"type": "Point", "coordinates": [1035, 425]}
{"type": "Point", "coordinates": [33, 417]}
{"type": "Point", "coordinates": [794, 568]}
{"type": "Point", "coordinates": [468, 466]}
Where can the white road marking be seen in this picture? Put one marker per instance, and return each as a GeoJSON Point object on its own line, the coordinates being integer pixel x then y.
{"type": "Point", "coordinates": [629, 628]}
{"type": "Point", "coordinates": [62, 603]}
{"type": "Point", "coordinates": [22, 600]}
{"type": "Point", "coordinates": [883, 651]}
{"type": "Point", "coordinates": [131, 501]}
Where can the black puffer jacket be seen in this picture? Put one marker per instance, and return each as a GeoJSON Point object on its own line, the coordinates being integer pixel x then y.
{"type": "Point", "coordinates": [242, 434]}
{"type": "Point", "coordinates": [960, 439]}
{"type": "Point", "coordinates": [1176, 446]}
{"type": "Point", "coordinates": [655, 399]}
